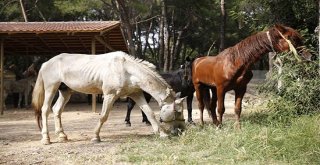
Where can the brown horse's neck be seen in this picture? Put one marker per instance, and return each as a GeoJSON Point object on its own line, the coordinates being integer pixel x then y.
{"type": "Point", "coordinates": [250, 50]}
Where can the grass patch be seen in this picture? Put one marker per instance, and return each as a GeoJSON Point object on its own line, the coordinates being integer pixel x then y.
{"type": "Point", "coordinates": [298, 143]}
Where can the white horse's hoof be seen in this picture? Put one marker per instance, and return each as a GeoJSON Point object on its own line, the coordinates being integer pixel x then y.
{"type": "Point", "coordinates": [96, 140]}
{"type": "Point", "coordinates": [45, 141]}
{"type": "Point", "coordinates": [62, 139]}
{"type": "Point", "coordinates": [163, 135]}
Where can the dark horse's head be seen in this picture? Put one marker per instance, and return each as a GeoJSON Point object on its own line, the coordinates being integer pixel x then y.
{"type": "Point", "coordinates": [187, 72]}
{"type": "Point", "coordinates": [285, 38]}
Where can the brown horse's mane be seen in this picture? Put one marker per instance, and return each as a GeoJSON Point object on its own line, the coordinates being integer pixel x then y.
{"type": "Point", "coordinates": [250, 49]}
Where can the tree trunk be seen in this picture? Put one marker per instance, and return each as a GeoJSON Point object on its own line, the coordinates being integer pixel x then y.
{"type": "Point", "coordinates": [147, 40]}
{"type": "Point", "coordinates": [222, 25]}
{"type": "Point", "coordinates": [126, 25]}
{"type": "Point", "coordinates": [174, 40]}
{"type": "Point", "coordinates": [23, 11]}
{"type": "Point", "coordinates": [161, 39]}
{"type": "Point", "coordinates": [166, 38]}
{"type": "Point", "coordinates": [138, 42]}
{"type": "Point", "coordinates": [178, 43]}
{"type": "Point", "coordinates": [270, 56]}
{"type": "Point", "coordinates": [278, 63]}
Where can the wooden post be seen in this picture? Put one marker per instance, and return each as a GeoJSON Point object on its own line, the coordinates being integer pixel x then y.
{"type": "Point", "coordinates": [1, 67]}
{"type": "Point", "coordinates": [93, 52]}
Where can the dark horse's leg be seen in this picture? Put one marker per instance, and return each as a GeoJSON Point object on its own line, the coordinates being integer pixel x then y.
{"type": "Point", "coordinates": [144, 117]}
{"type": "Point", "coordinates": [239, 93]}
{"type": "Point", "coordinates": [189, 107]}
{"type": "Point", "coordinates": [130, 106]}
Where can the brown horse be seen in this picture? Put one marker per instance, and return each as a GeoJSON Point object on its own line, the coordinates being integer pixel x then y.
{"type": "Point", "coordinates": [231, 69]}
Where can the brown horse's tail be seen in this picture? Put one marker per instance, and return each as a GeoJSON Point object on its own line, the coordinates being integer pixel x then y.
{"type": "Point", "coordinates": [38, 99]}
{"type": "Point", "coordinates": [206, 100]}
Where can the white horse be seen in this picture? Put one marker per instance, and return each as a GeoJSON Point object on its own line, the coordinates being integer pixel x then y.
{"type": "Point", "coordinates": [114, 75]}
{"type": "Point", "coordinates": [23, 87]}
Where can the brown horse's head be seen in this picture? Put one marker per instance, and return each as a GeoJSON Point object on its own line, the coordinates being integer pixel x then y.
{"type": "Point", "coordinates": [284, 36]}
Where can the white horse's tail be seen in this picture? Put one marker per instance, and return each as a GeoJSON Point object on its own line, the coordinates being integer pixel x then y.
{"type": "Point", "coordinates": [38, 99]}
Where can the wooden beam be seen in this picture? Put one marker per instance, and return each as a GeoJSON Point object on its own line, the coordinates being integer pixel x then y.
{"type": "Point", "coordinates": [100, 39]}
{"type": "Point", "coordinates": [93, 52]}
{"type": "Point", "coordinates": [1, 67]}
{"type": "Point", "coordinates": [82, 43]}
{"type": "Point", "coordinates": [66, 46]}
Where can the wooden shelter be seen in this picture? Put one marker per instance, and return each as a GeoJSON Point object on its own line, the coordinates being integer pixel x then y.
{"type": "Point", "coordinates": [53, 38]}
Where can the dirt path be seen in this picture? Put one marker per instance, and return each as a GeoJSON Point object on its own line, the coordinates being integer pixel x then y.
{"type": "Point", "coordinates": [20, 137]}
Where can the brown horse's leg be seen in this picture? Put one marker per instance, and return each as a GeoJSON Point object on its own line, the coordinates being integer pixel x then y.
{"type": "Point", "coordinates": [210, 104]}
{"type": "Point", "coordinates": [199, 95]}
{"type": "Point", "coordinates": [220, 95]}
{"type": "Point", "coordinates": [213, 106]}
{"type": "Point", "coordinates": [239, 93]}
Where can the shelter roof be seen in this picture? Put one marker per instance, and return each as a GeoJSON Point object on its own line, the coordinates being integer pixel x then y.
{"type": "Point", "coordinates": [52, 38]}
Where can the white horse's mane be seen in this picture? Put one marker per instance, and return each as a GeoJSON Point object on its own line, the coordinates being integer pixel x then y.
{"type": "Point", "coordinates": [149, 67]}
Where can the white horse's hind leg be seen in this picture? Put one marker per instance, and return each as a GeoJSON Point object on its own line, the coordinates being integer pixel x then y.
{"type": "Point", "coordinates": [64, 96]}
{"type": "Point", "coordinates": [20, 100]}
{"type": "Point", "coordinates": [26, 95]}
{"type": "Point", "coordinates": [46, 108]}
{"type": "Point", "coordinates": [5, 94]}
{"type": "Point", "coordinates": [108, 101]}
{"type": "Point", "coordinates": [142, 103]}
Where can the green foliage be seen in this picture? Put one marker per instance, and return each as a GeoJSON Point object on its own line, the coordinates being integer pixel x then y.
{"type": "Point", "coordinates": [298, 95]}
{"type": "Point", "coordinates": [78, 9]}
{"type": "Point", "coordinates": [10, 11]}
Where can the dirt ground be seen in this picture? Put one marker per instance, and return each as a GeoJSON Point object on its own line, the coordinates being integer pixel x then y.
{"type": "Point", "coordinates": [20, 137]}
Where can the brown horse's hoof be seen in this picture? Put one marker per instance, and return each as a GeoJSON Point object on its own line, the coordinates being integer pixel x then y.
{"type": "Point", "coordinates": [237, 126]}
{"type": "Point", "coordinates": [219, 126]}
{"type": "Point", "coordinates": [96, 140]}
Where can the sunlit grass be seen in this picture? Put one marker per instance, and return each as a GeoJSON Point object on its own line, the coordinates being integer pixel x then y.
{"type": "Point", "coordinates": [298, 143]}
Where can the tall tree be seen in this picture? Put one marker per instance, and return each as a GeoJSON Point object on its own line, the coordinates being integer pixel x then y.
{"type": "Point", "coordinates": [123, 9]}
{"type": "Point", "coordinates": [222, 25]}
{"type": "Point", "coordinates": [165, 29]}
{"type": "Point", "coordinates": [23, 11]}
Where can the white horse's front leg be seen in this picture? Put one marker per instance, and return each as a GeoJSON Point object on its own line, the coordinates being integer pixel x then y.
{"type": "Point", "coordinates": [58, 108]}
{"type": "Point", "coordinates": [108, 101]}
{"type": "Point", "coordinates": [142, 103]}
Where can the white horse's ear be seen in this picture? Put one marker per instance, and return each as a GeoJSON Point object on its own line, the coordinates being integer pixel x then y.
{"type": "Point", "coordinates": [179, 101]}
{"type": "Point", "coordinates": [178, 95]}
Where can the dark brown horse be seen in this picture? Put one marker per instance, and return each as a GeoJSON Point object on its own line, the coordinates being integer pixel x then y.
{"type": "Point", "coordinates": [180, 81]}
{"type": "Point", "coordinates": [231, 69]}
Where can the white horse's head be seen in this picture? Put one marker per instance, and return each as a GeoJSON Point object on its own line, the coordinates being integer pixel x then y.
{"type": "Point", "coordinates": [172, 115]}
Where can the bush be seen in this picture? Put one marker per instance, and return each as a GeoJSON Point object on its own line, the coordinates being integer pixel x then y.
{"type": "Point", "coordinates": [300, 90]}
